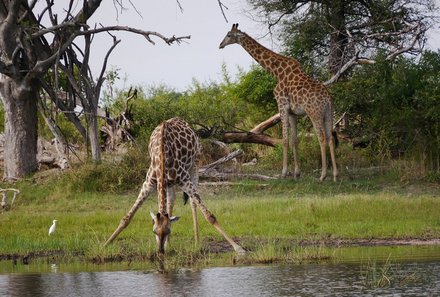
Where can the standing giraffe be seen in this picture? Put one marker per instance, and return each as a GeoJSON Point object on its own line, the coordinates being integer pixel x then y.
{"type": "Point", "coordinates": [173, 149]}
{"type": "Point", "coordinates": [296, 94]}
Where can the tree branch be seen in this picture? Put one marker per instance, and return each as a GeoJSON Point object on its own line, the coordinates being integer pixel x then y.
{"type": "Point", "coordinates": [104, 65]}
{"type": "Point", "coordinates": [222, 7]}
{"type": "Point", "coordinates": [269, 123]}
{"type": "Point", "coordinates": [146, 34]}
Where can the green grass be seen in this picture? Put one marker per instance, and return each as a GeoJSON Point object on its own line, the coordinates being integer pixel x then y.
{"type": "Point", "coordinates": [268, 220]}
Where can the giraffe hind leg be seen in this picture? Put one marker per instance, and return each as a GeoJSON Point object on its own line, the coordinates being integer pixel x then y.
{"type": "Point", "coordinates": [285, 130]}
{"type": "Point", "coordinates": [209, 216]}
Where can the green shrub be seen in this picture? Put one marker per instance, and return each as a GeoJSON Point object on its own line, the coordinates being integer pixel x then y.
{"type": "Point", "coordinates": [115, 175]}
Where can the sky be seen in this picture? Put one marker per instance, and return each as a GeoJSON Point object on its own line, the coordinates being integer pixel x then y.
{"type": "Point", "coordinates": [176, 65]}
{"type": "Point", "coordinates": [142, 64]}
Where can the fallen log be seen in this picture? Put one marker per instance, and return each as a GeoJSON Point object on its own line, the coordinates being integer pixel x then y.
{"type": "Point", "coordinates": [269, 123]}
{"type": "Point", "coordinates": [214, 174]}
{"type": "Point", "coordinates": [227, 183]}
{"type": "Point", "coordinates": [249, 137]}
{"type": "Point", "coordinates": [203, 170]}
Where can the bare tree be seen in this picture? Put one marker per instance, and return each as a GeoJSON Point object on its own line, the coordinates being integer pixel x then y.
{"type": "Point", "coordinates": [36, 43]}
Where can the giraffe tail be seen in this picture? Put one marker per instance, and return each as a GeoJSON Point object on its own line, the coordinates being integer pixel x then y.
{"type": "Point", "coordinates": [185, 198]}
{"type": "Point", "coordinates": [335, 138]}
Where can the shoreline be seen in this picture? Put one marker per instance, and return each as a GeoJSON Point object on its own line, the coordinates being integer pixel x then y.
{"type": "Point", "coordinates": [220, 247]}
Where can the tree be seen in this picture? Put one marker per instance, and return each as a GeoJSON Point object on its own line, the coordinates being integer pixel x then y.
{"type": "Point", "coordinates": [347, 32]}
{"type": "Point", "coordinates": [37, 43]}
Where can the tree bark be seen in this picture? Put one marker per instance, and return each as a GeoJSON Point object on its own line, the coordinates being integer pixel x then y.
{"type": "Point", "coordinates": [94, 136]}
{"type": "Point", "coordinates": [256, 134]}
{"type": "Point", "coordinates": [21, 128]}
{"type": "Point", "coordinates": [266, 124]}
{"type": "Point", "coordinates": [249, 137]}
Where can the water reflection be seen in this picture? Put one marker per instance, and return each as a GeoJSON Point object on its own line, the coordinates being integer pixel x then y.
{"type": "Point", "coordinates": [54, 268]}
{"type": "Point", "coordinates": [294, 280]}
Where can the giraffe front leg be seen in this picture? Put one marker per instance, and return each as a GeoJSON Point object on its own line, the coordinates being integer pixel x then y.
{"type": "Point", "coordinates": [171, 197]}
{"type": "Point", "coordinates": [195, 222]}
{"type": "Point", "coordinates": [146, 189]}
{"type": "Point", "coordinates": [195, 197]}
{"type": "Point", "coordinates": [285, 128]}
{"type": "Point", "coordinates": [294, 142]}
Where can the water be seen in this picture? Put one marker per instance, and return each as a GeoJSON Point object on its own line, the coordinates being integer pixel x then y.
{"type": "Point", "coordinates": [345, 279]}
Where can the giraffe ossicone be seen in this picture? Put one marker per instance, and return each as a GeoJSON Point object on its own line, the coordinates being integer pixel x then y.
{"type": "Point", "coordinates": [296, 94]}
{"type": "Point", "coordinates": [173, 148]}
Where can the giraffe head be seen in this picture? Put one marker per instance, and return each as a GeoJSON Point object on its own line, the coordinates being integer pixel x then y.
{"type": "Point", "coordinates": [232, 37]}
{"type": "Point", "coordinates": [162, 229]}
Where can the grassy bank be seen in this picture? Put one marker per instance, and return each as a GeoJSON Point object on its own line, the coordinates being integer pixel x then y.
{"type": "Point", "coordinates": [276, 221]}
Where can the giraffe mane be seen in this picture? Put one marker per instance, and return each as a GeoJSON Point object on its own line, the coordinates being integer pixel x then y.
{"type": "Point", "coordinates": [161, 177]}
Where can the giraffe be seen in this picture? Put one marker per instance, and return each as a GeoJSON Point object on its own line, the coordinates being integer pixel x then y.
{"type": "Point", "coordinates": [296, 94]}
{"type": "Point", "coordinates": [173, 149]}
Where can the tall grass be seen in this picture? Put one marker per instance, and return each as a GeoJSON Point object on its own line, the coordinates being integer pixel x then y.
{"type": "Point", "coordinates": [384, 274]}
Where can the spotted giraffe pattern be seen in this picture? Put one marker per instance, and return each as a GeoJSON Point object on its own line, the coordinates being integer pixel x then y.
{"type": "Point", "coordinates": [296, 94]}
{"type": "Point", "coordinates": [173, 148]}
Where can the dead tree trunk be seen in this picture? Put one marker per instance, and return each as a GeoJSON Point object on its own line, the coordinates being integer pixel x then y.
{"type": "Point", "coordinates": [21, 132]}
{"type": "Point", "coordinates": [4, 202]}
{"type": "Point", "coordinates": [249, 137]}
{"type": "Point", "coordinates": [256, 135]}
{"type": "Point", "coordinates": [117, 130]}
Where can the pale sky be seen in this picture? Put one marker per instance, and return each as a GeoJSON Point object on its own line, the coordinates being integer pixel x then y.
{"type": "Point", "coordinates": [177, 65]}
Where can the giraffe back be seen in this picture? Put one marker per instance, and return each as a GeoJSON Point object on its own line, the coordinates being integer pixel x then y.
{"type": "Point", "coordinates": [174, 148]}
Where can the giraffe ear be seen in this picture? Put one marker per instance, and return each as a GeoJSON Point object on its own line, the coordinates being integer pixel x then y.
{"type": "Point", "coordinates": [153, 216]}
{"type": "Point", "coordinates": [174, 219]}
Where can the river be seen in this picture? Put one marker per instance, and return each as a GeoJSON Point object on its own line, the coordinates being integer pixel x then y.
{"type": "Point", "coordinates": [418, 275]}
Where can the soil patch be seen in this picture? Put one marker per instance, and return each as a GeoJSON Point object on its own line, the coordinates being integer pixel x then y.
{"type": "Point", "coordinates": [214, 246]}
{"type": "Point", "coordinates": [220, 246]}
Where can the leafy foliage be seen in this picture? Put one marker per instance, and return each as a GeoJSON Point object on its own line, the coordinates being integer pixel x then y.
{"type": "Point", "coordinates": [397, 105]}
{"type": "Point", "coordinates": [324, 35]}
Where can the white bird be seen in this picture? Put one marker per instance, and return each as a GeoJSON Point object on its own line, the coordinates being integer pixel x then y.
{"type": "Point", "coordinates": [52, 228]}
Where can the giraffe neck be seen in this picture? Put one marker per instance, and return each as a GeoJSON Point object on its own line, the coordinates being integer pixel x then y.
{"type": "Point", "coordinates": [269, 60]}
{"type": "Point", "coordinates": [161, 177]}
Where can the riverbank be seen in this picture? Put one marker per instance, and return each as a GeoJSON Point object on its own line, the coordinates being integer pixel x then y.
{"type": "Point", "coordinates": [278, 221]}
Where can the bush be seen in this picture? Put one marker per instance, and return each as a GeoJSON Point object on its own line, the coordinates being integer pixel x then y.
{"type": "Point", "coordinates": [114, 175]}
{"type": "Point", "coordinates": [397, 106]}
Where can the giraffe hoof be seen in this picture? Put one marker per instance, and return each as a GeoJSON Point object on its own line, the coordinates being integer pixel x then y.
{"type": "Point", "coordinates": [240, 251]}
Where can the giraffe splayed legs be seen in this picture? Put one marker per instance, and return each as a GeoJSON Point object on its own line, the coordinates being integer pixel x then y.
{"type": "Point", "coordinates": [173, 149]}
